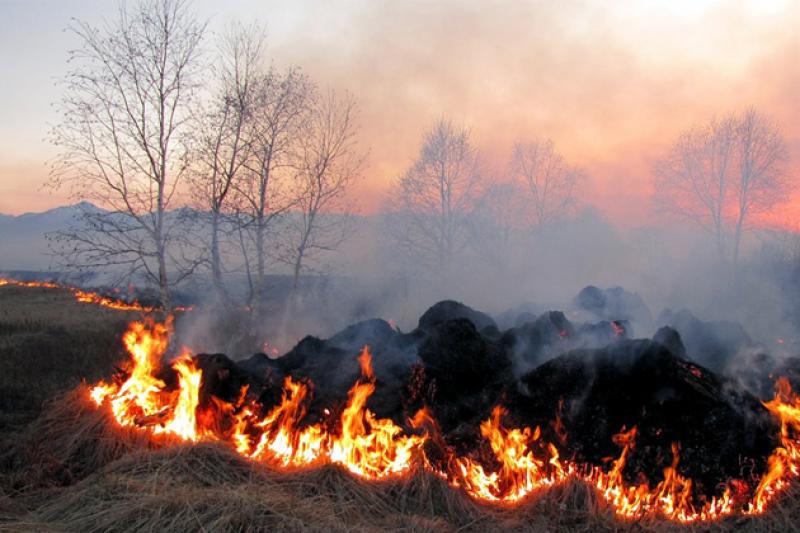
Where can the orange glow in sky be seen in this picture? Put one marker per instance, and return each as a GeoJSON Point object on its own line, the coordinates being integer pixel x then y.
{"type": "Point", "coordinates": [612, 83]}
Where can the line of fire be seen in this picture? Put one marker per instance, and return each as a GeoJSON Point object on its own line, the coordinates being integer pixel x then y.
{"type": "Point", "coordinates": [269, 411]}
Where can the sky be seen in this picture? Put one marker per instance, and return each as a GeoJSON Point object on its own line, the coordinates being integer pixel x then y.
{"type": "Point", "coordinates": [611, 83]}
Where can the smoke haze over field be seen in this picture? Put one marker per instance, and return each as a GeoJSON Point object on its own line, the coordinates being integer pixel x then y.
{"type": "Point", "coordinates": [610, 84]}
{"type": "Point", "coordinates": [613, 86]}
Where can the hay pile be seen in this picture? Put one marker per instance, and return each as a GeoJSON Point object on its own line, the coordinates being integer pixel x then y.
{"type": "Point", "coordinates": [73, 469]}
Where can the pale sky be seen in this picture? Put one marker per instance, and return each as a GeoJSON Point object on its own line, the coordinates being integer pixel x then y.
{"type": "Point", "coordinates": [610, 82]}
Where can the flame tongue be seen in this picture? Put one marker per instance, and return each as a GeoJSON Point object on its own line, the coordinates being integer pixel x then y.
{"type": "Point", "coordinates": [371, 447]}
{"type": "Point", "coordinates": [376, 448]}
{"type": "Point", "coordinates": [520, 473]}
{"type": "Point", "coordinates": [785, 460]}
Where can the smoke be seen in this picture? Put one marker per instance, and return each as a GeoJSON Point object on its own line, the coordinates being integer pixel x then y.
{"type": "Point", "coordinates": [667, 275]}
{"type": "Point", "coordinates": [610, 84]}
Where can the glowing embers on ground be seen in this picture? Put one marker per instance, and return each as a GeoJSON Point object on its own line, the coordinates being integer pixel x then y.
{"type": "Point", "coordinates": [88, 296]}
{"type": "Point", "coordinates": [375, 448]}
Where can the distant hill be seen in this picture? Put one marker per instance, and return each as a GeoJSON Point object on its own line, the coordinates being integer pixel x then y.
{"type": "Point", "coordinates": [23, 245]}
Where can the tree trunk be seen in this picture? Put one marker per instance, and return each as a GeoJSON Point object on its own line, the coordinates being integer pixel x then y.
{"type": "Point", "coordinates": [260, 267]}
{"type": "Point", "coordinates": [736, 242]}
{"type": "Point", "coordinates": [163, 280]}
{"type": "Point", "coordinates": [216, 267]}
{"type": "Point", "coordinates": [298, 263]}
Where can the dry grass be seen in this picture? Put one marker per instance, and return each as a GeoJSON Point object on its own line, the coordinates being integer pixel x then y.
{"type": "Point", "coordinates": [119, 480]}
{"type": "Point", "coordinates": [73, 469]}
{"type": "Point", "coordinates": [48, 344]}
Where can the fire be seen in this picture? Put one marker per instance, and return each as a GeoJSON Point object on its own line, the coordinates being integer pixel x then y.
{"type": "Point", "coordinates": [281, 438]}
{"type": "Point", "coordinates": [88, 297]}
{"type": "Point", "coordinates": [671, 498]}
{"type": "Point", "coordinates": [373, 448]}
{"type": "Point", "coordinates": [520, 473]}
{"type": "Point", "coordinates": [368, 446]}
{"type": "Point", "coordinates": [785, 460]}
{"type": "Point", "coordinates": [183, 421]}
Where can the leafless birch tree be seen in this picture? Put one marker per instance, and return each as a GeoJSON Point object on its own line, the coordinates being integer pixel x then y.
{"type": "Point", "coordinates": [693, 178]}
{"type": "Point", "coordinates": [549, 181]}
{"type": "Point", "coordinates": [429, 205]}
{"type": "Point", "coordinates": [329, 163]}
{"type": "Point", "coordinates": [760, 182]}
{"type": "Point", "coordinates": [223, 129]}
{"type": "Point", "coordinates": [722, 173]}
{"type": "Point", "coordinates": [123, 114]}
{"type": "Point", "coordinates": [282, 106]}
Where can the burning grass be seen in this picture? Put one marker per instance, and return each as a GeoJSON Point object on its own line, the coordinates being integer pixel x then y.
{"type": "Point", "coordinates": [133, 485]}
{"type": "Point", "coordinates": [77, 468]}
{"type": "Point", "coordinates": [378, 449]}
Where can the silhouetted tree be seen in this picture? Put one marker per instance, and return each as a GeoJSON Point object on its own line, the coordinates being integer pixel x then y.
{"type": "Point", "coordinates": [721, 173]}
{"type": "Point", "coordinates": [124, 112]}
{"type": "Point", "coordinates": [550, 183]}
{"type": "Point", "coordinates": [267, 191]}
{"type": "Point", "coordinates": [328, 165]}
{"type": "Point", "coordinates": [223, 140]}
{"type": "Point", "coordinates": [429, 205]}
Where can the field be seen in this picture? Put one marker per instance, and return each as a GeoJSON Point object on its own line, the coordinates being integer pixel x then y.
{"type": "Point", "coordinates": [65, 467]}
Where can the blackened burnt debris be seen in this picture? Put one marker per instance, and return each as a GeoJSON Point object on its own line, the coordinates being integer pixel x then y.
{"type": "Point", "coordinates": [581, 382]}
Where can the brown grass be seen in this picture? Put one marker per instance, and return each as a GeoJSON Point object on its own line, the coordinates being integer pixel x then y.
{"type": "Point", "coordinates": [73, 469]}
{"type": "Point", "coordinates": [48, 344]}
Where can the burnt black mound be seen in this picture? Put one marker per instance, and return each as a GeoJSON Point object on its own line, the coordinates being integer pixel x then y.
{"type": "Point", "coordinates": [581, 383]}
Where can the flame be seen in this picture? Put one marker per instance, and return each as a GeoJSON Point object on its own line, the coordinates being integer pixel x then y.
{"type": "Point", "coordinates": [520, 472]}
{"type": "Point", "coordinates": [281, 437]}
{"type": "Point", "coordinates": [368, 446]}
{"type": "Point", "coordinates": [183, 422]}
{"type": "Point", "coordinates": [671, 498]}
{"type": "Point", "coordinates": [522, 462]}
{"type": "Point", "coordinates": [785, 460]}
{"type": "Point", "coordinates": [84, 296]}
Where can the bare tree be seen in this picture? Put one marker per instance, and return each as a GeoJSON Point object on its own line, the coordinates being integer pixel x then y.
{"type": "Point", "coordinates": [223, 143]}
{"type": "Point", "coordinates": [723, 171]}
{"type": "Point", "coordinates": [429, 205]}
{"type": "Point", "coordinates": [125, 107]}
{"type": "Point", "coordinates": [283, 103]}
{"type": "Point", "coordinates": [550, 182]}
{"type": "Point", "coordinates": [760, 183]}
{"type": "Point", "coordinates": [500, 220]}
{"type": "Point", "coordinates": [693, 179]}
{"type": "Point", "coordinates": [330, 162]}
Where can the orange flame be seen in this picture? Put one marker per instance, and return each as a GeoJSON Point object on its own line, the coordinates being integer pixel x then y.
{"type": "Point", "coordinates": [84, 296]}
{"type": "Point", "coordinates": [520, 473]}
{"type": "Point", "coordinates": [368, 446]}
{"type": "Point", "coordinates": [375, 448]}
{"type": "Point", "coordinates": [785, 460]}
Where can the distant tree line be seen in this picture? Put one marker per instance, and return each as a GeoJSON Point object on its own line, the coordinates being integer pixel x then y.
{"type": "Point", "coordinates": [448, 204]}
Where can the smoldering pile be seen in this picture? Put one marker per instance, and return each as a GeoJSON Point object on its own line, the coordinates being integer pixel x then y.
{"type": "Point", "coordinates": [581, 379]}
